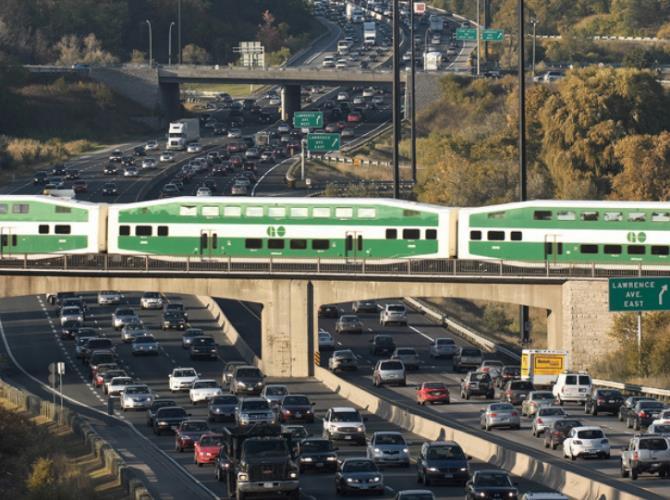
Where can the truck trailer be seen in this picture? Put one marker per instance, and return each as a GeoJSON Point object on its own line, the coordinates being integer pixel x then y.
{"type": "Point", "coordinates": [369, 33]}
{"type": "Point", "coordinates": [542, 366]}
{"type": "Point", "coordinates": [182, 132]}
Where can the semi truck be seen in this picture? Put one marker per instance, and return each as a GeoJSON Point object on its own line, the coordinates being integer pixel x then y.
{"type": "Point", "coordinates": [542, 367]}
{"type": "Point", "coordinates": [369, 33]}
{"type": "Point", "coordinates": [436, 23]}
{"type": "Point", "coordinates": [432, 61]}
{"type": "Point", "coordinates": [182, 132]}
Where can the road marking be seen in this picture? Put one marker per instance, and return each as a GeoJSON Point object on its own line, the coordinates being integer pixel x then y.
{"type": "Point", "coordinates": [253, 190]}
{"type": "Point", "coordinates": [427, 337]}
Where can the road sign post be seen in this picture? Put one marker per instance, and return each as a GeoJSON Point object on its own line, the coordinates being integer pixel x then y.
{"type": "Point", "coordinates": [321, 142]}
{"type": "Point", "coordinates": [308, 119]}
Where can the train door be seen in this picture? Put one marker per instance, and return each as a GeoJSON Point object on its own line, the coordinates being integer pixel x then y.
{"type": "Point", "coordinates": [7, 241]}
{"type": "Point", "coordinates": [553, 248]}
{"type": "Point", "coordinates": [353, 245]}
{"type": "Point", "coordinates": [209, 243]}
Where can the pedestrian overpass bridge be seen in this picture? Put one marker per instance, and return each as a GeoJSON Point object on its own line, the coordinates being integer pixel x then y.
{"type": "Point", "coordinates": [575, 297]}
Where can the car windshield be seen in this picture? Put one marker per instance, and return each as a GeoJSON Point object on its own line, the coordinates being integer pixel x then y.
{"type": "Point", "coordinates": [172, 413]}
{"type": "Point", "coordinates": [102, 358]}
{"type": "Point", "coordinates": [550, 412]}
{"type": "Point", "coordinates": [204, 341]}
{"type": "Point", "coordinates": [406, 352]}
{"type": "Point", "coordinates": [501, 407]}
{"type": "Point", "coordinates": [384, 340]}
{"type": "Point", "coordinates": [651, 405]}
{"type": "Point", "coordinates": [543, 396]}
{"type": "Point", "coordinates": [259, 404]}
{"type": "Point", "coordinates": [662, 429]}
{"type": "Point", "coordinates": [653, 444]}
{"type": "Point", "coordinates": [71, 311]}
{"type": "Point", "coordinates": [346, 416]}
{"type": "Point", "coordinates": [109, 375]}
{"type": "Point", "coordinates": [276, 391]}
{"type": "Point", "coordinates": [608, 394]}
{"type": "Point", "coordinates": [261, 448]}
{"type": "Point", "coordinates": [151, 295]}
{"type": "Point", "coordinates": [470, 352]}
{"type": "Point", "coordinates": [194, 426]}
{"type": "Point", "coordinates": [590, 434]}
{"type": "Point", "coordinates": [163, 404]}
{"type": "Point", "coordinates": [296, 400]}
{"type": "Point", "coordinates": [87, 332]}
{"type": "Point", "coordinates": [390, 365]}
{"type": "Point", "coordinates": [125, 312]}
{"type": "Point", "coordinates": [396, 308]}
{"type": "Point", "coordinates": [99, 343]}
{"type": "Point", "coordinates": [140, 389]}
{"type": "Point", "coordinates": [434, 385]}
{"type": "Point", "coordinates": [567, 424]}
{"type": "Point", "coordinates": [249, 372]}
{"type": "Point", "coordinates": [480, 377]}
{"type": "Point", "coordinates": [122, 381]}
{"type": "Point", "coordinates": [389, 439]}
{"type": "Point", "coordinates": [205, 384]}
{"type": "Point", "coordinates": [224, 400]}
{"type": "Point", "coordinates": [445, 342]}
{"type": "Point", "coordinates": [316, 445]}
{"type": "Point", "coordinates": [415, 496]}
{"type": "Point", "coordinates": [445, 452]}
{"type": "Point", "coordinates": [359, 466]}
{"type": "Point", "coordinates": [348, 319]}
{"type": "Point", "coordinates": [521, 386]}
{"type": "Point", "coordinates": [185, 373]}
{"type": "Point", "coordinates": [211, 441]}
{"type": "Point", "coordinates": [492, 479]}
{"type": "Point", "coordinates": [144, 340]}
{"type": "Point", "coordinates": [193, 333]}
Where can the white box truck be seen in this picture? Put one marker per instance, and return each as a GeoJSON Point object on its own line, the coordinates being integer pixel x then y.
{"type": "Point", "coordinates": [369, 33]}
{"type": "Point", "coordinates": [349, 10]}
{"type": "Point", "coordinates": [436, 23]}
{"type": "Point", "coordinates": [542, 366]}
{"type": "Point", "coordinates": [432, 61]}
{"type": "Point", "coordinates": [183, 132]}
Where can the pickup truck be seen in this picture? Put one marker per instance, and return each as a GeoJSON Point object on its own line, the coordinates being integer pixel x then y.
{"type": "Point", "coordinates": [646, 453]}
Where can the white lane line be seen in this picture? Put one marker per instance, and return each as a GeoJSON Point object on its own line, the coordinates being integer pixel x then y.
{"type": "Point", "coordinates": [253, 191]}
{"type": "Point", "coordinates": [249, 310]}
{"type": "Point", "coordinates": [427, 337]}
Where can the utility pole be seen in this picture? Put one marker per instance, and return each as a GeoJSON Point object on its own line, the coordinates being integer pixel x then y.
{"type": "Point", "coordinates": [396, 100]}
{"type": "Point", "coordinates": [151, 53]}
{"type": "Point", "coordinates": [170, 44]}
{"type": "Point", "coordinates": [179, 28]}
{"type": "Point", "coordinates": [523, 194]}
{"type": "Point", "coordinates": [413, 91]}
{"type": "Point", "coordinates": [479, 36]}
{"type": "Point", "coordinates": [534, 22]}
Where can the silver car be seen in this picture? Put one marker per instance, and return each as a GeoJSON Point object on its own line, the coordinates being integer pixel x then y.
{"type": "Point", "coordinates": [545, 418]}
{"type": "Point", "coordinates": [408, 356]}
{"type": "Point", "coordinates": [71, 314]}
{"type": "Point", "coordinates": [151, 300]}
{"type": "Point", "coordinates": [135, 397]}
{"type": "Point", "coordinates": [274, 393]}
{"type": "Point", "coordinates": [146, 344]}
{"type": "Point", "coordinates": [389, 371]}
{"type": "Point", "coordinates": [500, 415]}
{"type": "Point", "coordinates": [443, 347]}
{"type": "Point", "coordinates": [254, 411]}
{"type": "Point", "coordinates": [388, 448]}
{"type": "Point", "coordinates": [123, 315]}
{"type": "Point", "coordinates": [348, 323]}
{"type": "Point", "coordinates": [343, 360]}
{"type": "Point", "coordinates": [133, 330]}
{"type": "Point", "coordinates": [109, 297]}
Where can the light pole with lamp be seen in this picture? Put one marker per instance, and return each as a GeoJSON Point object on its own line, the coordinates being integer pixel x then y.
{"type": "Point", "coordinates": [170, 44]}
{"type": "Point", "coordinates": [179, 28]}
{"type": "Point", "coordinates": [533, 21]}
{"type": "Point", "coordinates": [151, 51]}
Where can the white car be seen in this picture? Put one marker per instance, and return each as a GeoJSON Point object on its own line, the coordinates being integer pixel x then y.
{"type": "Point", "coordinates": [204, 390]}
{"type": "Point", "coordinates": [342, 96]}
{"type": "Point", "coordinates": [234, 133]}
{"type": "Point", "coordinates": [274, 393]}
{"type": "Point", "coordinates": [326, 341]}
{"type": "Point", "coordinates": [182, 378]}
{"type": "Point", "coordinates": [131, 171]}
{"type": "Point", "coordinates": [586, 442]}
{"type": "Point", "coordinates": [151, 300]}
{"type": "Point", "coordinates": [378, 99]}
{"type": "Point", "coordinates": [344, 423]}
{"type": "Point", "coordinates": [662, 419]}
{"type": "Point", "coordinates": [136, 396]}
{"type": "Point", "coordinates": [117, 384]}
{"type": "Point", "coordinates": [369, 92]}
{"type": "Point", "coordinates": [341, 64]}
{"type": "Point", "coordinates": [109, 297]}
{"type": "Point", "coordinates": [203, 191]}
{"type": "Point", "coordinates": [166, 157]}
{"type": "Point", "coordinates": [328, 63]}
{"type": "Point", "coordinates": [151, 146]}
{"type": "Point", "coordinates": [149, 163]}
{"type": "Point", "coordinates": [194, 147]}
{"type": "Point", "coordinates": [71, 314]}
{"type": "Point", "coordinates": [572, 386]}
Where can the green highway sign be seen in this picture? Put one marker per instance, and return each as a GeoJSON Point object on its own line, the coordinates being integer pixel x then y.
{"type": "Point", "coordinates": [308, 119]}
{"type": "Point", "coordinates": [321, 143]}
{"type": "Point", "coordinates": [491, 35]}
{"type": "Point", "coordinates": [639, 294]}
{"type": "Point", "coordinates": [466, 34]}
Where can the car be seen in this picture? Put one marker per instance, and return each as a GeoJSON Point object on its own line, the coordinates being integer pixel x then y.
{"type": "Point", "coordinates": [247, 380]}
{"type": "Point", "coordinates": [586, 441]}
{"type": "Point", "coordinates": [655, 428]}
{"type": "Point", "coordinates": [388, 448]}
{"type": "Point", "coordinates": [123, 315]}
{"type": "Point", "coordinates": [344, 423]}
{"type": "Point", "coordinates": [317, 454]}
{"type": "Point", "coordinates": [40, 177]}
{"type": "Point", "coordinates": [274, 393]}
{"type": "Point", "coordinates": [490, 483]}
{"type": "Point", "coordinates": [71, 313]}
{"type": "Point", "coordinates": [188, 432]}
{"type": "Point", "coordinates": [377, 100]}
{"type": "Point", "coordinates": [355, 475]}
{"type": "Point", "coordinates": [516, 391]}
{"type": "Point", "coordinates": [168, 417]}
{"type": "Point", "coordinates": [151, 300]}
{"type": "Point", "coordinates": [348, 323]}
{"type": "Point", "coordinates": [146, 344]}
{"type": "Point", "coordinates": [477, 384]}
{"type": "Point", "coordinates": [194, 147]}
{"type": "Point", "coordinates": [646, 453]}
{"type": "Point", "coordinates": [174, 321]}
{"type": "Point", "coordinates": [69, 329]}
{"type": "Point", "coordinates": [80, 186]}
{"type": "Point", "coordinates": [572, 386]}
{"type": "Point", "coordinates": [328, 311]}
{"type": "Point", "coordinates": [295, 433]}
{"type": "Point", "coordinates": [182, 378]}
{"type": "Point", "coordinates": [131, 171]}
{"type": "Point", "coordinates": [155, 405]}
{"type": "Point", "coordinates": [549, 76]}
{"type": "Point", "coordinates": [166, 157]}
{"type": "Point", "coordinates": [110, 189]}
{"type": "Point", "coordinates": [239, 188]}
{"type": "Point", "coordinates": [559, 430]}
{"type": "Point", "coordinates": [389, 371]}
{"type": "Point", "coordinates": [82, 340]}
{"type": "Point", "coordinates": [229, 370]}
{"type": "Point", "coordinates": [207, 449]}
{"type": "Point", "coordinates": [109, 298]}
{"type": "Point", "coordinates": [467, 357]}
{"type": "Point", "coordinates": [499, 415]}
{"type": "Point", "coordinates": [203, 390]}
{"type": "Point", "coordinates": [110, 169]}
{"type": "Point", "coordinates": [663, 417]}
{"type": "Point", "coordinates": [393, 314]}
{"type": "Point", "coordinates": [432, 392]}
{"type": "Point", "coordinates": [414, 495]}
{"type": "Point", "coordinates": [116, 155]}
{"type": "Point", "coordinates": [443, 347]}
{"type": "Point", "coordinates": [382, 344]}
{"type": "Point", "coordinates": [295, 407]}
{"type": "Point", "coordinates": [58, 170]}
{"type": "Point", "coordinates": [629, 404]}
{"type": "Point", "coordinates": [343, 359]}
{"type": "Point", "coordinates": [508, 372]}
{"type": "Point", "coordinates": [234, 133]}
{"type": "Point", "coordinates": [98, 357]}
{"type": "Point", "coordinates": [203, 347]}
{"type": "Point", "coordinates": [136, 396]}
{"type": "Point", "coordinates": [169, 190]}
{"type": "Point", "coordinates": [139, 151]}
{"type": "Point", "coordinates": [151, 146]}
{"type": "Point", "coordinates": [117, 384]}
{"type": "Point", "coordinates": [74, 302]}
{"type": "Point", "coordinates": [222, 407]}
{"type": "Point", "coordinates": [545, 418]}
{"type": "Point", "coordinates": [328, 62]}
{"type": "Point", "coordinates": [643, 414]}
{"type": "Point", "coordinates": [491, 366]}
{"type": "Point", "coordinates": [149, 163]}
{"type": "Point", "coordinates": [203, 191]}
{"type": "Point", "coordinates": [442, 461]}
{"type": "Point", "coordinates": [536, 400]}
{"type": "Point", "coordinates": [97, 344]}
{"type": "Point", "coordinates": [254, 411]}
{"type": "Point", "coordinates": [342, 96]}
{"type": "Point", "coordinates": [408, 356]}
{"type": "Point", "coordinates": [603, 401]}
{"type": "Point", "coordinates": [354, 117]}
{"type": "Point", "coordinates": [101, 378]}
{"type": "Point", "coordinates": [326, 341]}
{"type": "Point", "coordinates": [365, 306]}
{"type": "Point", "coordinates": [132, 330]}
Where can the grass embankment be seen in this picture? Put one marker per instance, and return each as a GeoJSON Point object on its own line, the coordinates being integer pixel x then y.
{"type": "Point", "coordinates": [40, 459]}
{"type": "Point", "coordinates": [236, 90]}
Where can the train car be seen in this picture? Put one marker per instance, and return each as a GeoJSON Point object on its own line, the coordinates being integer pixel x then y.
{"type": "Point", "coordinates": [573, 232]}
{"type": "Point", "coordinates": [49, 225]}
{"type": "Point", "coordinates": [302, 228]}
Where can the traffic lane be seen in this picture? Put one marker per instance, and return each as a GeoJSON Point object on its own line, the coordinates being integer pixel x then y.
{"type": "Point", "coordinates": [246, 316]}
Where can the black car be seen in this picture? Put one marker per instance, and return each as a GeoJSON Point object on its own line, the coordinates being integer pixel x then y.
{"type": "Point", "coordinates": [204, 347]}
{"type": "Point", "coordinates": [603, 400]}
{"type": "Point", "coordinates": [219, 130]}
{"type": "Point", "coordinates": [158, 403]}
{"type": "Point", "coordinates": [366, 306]}
{"type": "Point", "coordinates": [508, 372]}
{"type": "Point", "coordinates": [264, 117]}
{"type": "Point", "coordinates": [222, 465]}
{"type": "Point", "coordinates": [559, 430]}
{"type": "Point", "coordinates": [70, 329]}
{"type": "Point", "coordinates": [110, 169]}
{"type": "Point", "coordinates": [644, 413]}
{"type": "Point", "coordinates": [329, 311]}
{"type": "Point", "coordinates": [174, 321]}
{"type": "Point", "coordinates": [442, 461]}
{"type": "Point", "coordinates": [167, 418]}
{"type": "Point", "coordinates": [382, 344]}
{"type": "Point", "coordinates": [629, 404]}
{"type": "Point", "coordinates": [58, 170]}
{"type": "Point", "coordinates": [72, 173]}
{"type": "Point", "coordinates": [246, 380]}
{"type": "Point", "coordinates": [40, 177]}
{"type": "Point", "coordinates": [222, 408]}
{"type": "Point", "coordinates": [110, 189]}
{"type": "Point", "coordinates": [296, 408]}
{"type": "Point", "coordinates": [490, 484]}
{"type": "Point", "coordinates": [139, 151]}
{"type": "Point", "coordinates": [318, 454]}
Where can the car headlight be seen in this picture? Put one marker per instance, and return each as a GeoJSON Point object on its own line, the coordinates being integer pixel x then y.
{"type": "Point", "coordinates": [293, 475]}
{"type": "Point", "coordinates": [242, 476]}
{"type": "Point", "coordinates": [331, 459]}
{"type": "Point", "coordinates": [162, 422]}
{"type": "Point", "coordinates": [360, 428]}
{"type": "Point", "coordinates": [376, 479]}
{"type": "Point", "coordinates": [481, 494]}
{"type": "Point", "coordinates": [511, 494]}
{"type": "Point", "coordinates": [350, 480]}
{"type": "Point", "coordinates": [464, 469]}
{"type": "Point", "coordinates": [259, 383]}
{"type": "Point", "coordinates": [241, 384]}
{"type": "Point", "coordinates": [432, 469]}
{"type": "Point", "coordinates": [405, 450]}
{"type": "Point", "coordinates": [377, 450]}
{"type": "Point", "coordinates": [306, 459]}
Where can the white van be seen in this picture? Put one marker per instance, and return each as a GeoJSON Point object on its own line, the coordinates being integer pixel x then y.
{"type": "Point", "coordinates": [343, 47]}
{"type": "Point", "coordinates": [572, 386]}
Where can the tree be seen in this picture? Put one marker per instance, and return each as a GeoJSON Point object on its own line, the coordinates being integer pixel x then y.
{"type": "Point", "coordinates": [73, 49]}
{"type": "Point", "coordinates": [645, 174]}
{"type": "Point", "coordinates": [138, 57]}
{"type": "Point", "coordinates": [193, 54]}
{"type": "Point", "coordinates": [269, 34]}
{"type": "Point", "coordinates": [69, 50]}
{"type": "Point", "coordinates": [639, 58]}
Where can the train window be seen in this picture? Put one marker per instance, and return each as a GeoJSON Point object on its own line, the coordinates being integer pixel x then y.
{"type": "Point", "coordinates": [431, 234]}
{"type": "Point", "coordinates": [43, 229]}
{"type": "Point", "coordinates": [320, 244]}
{"type": "Point", "coordinates": [588, 248]}
{"type": "Point", "coordinates": [232, 211]}
{"type": "Point", "coordinates": [411, 234]}
{"type": "Point", "coordinates": [637, 216]}
{"type": "Point", "coordinates": [475, 235]}
{"type": "Point", "coordinates": [124, 230]}
{"type": "Point", "coordinates": [542, 215]}
{"type": "Point", "coordinates": [515, 236]}
{"type": "Point", "coordinates": [276, 244]}
{"type": "Point", "coordinates": [298, 244]}
{"type": "Point", "coordinates": [254, 212]}
{"type": "Point", "coordinates": [613, 216]}
{"type": "Point", "coordinates": [188, 211]}
{"type": "Point", "coordinates": [612, 249]}
{"type": "Point", "coordinates": [660, 250]}
{"type": "Point", "coordinates": [344, 212]}
{"type": "Point", "coordinates": [143, 231]}
{"type": "Point", "coordinates": [391, 234]}
{"type": "Point", "coordinates": [299, 212]}
{"type": "Point", "coordinates": [3, 208]}
{"type": "Point", "coordinates": [253, 243]}
{"type": "Point", "coordinates": [277, 211]}
{"type": "Point", "coordinates": [590, 216]}
{"type": "Point", "coordinates": [367, 213]}
{"type": "Point", "coordinates": [321, 212]}
{"type": "Point", "coordinates": [410, 213]}
{"type": "Point", "coordinates": [3, 240]}
{"type": "Point", "coordinates": [496, 235]}
{"type": "Point", "coordinates": [14, 240]}
{"type": "Point", "coordinates": [660, 217]}
{"type": "Point", "coordinates": [566, 215]}
{"type": "Point", "coordinates": [162, 230]}
{"type": "Point", "coordinates": [20, 208]}
{"type": "Point", "coordinates": [62, 210]}
{"type": "Point", "coordinates": [496, 215]}
{"type": "Point", "coordinates": [61, 229]}
{"type": "Point", "coordinates": [211, 211]}
{"type": "Point", "coordinates": [636, 250]}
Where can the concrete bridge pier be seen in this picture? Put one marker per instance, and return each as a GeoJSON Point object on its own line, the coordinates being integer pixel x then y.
{"type": "Point", "coordinates": [169, 101]}
{"type": "Point", "coordinates": [290, 102]}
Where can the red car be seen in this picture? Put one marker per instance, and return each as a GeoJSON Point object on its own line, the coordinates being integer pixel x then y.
{"type": "Point", "coordinates": [432, 392]}
{"type": "Point", "coordinates": [354, 117]}
{"type": "Point", "coordinates": [207, 448]}
{"type": "Point", "coordinates": [99, 378]}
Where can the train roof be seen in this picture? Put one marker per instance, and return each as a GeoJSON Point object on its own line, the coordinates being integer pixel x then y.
{"type": "Point", "coordinates": [47, 199]}
{"type": "Point", "coordinates": [571, 204]}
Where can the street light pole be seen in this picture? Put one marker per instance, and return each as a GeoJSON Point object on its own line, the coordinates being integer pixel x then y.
{"type": "Point", "coordinates": [179, 28]}
{"type": "Point", "coordinates": [170, 44]}
{"type": "Point", "coordinates": [396, 100]}
{"type": "Point", "coordinates": [479, 49]}
{"type": "Point", "coordinates": [523, 194]}
{"type": "Point", "coordinates": [413, 91]}
{"type": "Point", "coordinates": [151, 52]}
{"type": "Point", "coordinates": [534, 22]}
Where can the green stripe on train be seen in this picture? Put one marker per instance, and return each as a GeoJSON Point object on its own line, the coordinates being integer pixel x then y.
{"type": "Point", "coordinates": [40, 212]}
{"type": "Point", "coordinates": [43, 243]}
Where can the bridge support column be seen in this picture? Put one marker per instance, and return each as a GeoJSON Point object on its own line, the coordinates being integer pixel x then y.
{"type": "Point", "coordinates": [290, 102]}
{"type": "Point", "coordinates": [169, 100]}
{"type": "Point", "coordinates": [287, 329]}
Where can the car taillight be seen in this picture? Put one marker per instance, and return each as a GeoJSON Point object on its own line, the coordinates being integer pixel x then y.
{"type": "Point", "coordinates": [515, 414]}
{"type": "Point", "coordinates": [508, 392]}
{"type": "Point", "coordinates": [493, 414]}
{"type": "Point", "coordinates": [539, 420]}
{"type": "Point", "coordinates": [642, 414]}
{"type": "Point", "coordinates": [600, 401]}
{"type": "Point", "coordinates": [636, 456]}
